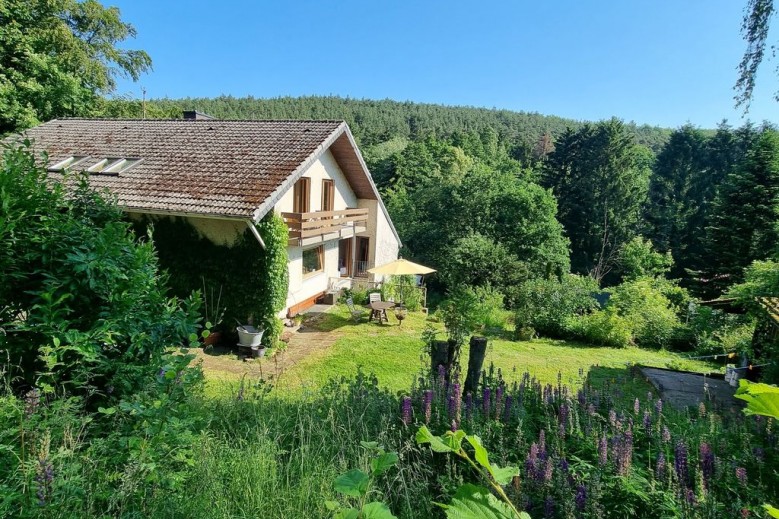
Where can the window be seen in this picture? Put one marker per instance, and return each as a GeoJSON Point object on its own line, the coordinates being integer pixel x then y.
{"type": "Point", "coordinates": [112, 166]}
{"type": "Point", "coordinates": [313, 260]}
{"type": "Point", "coordinates": [301, 195]}
{"type": "Point", "coordinates": [328, 195]}
{"type": "Point", "coordinates": [67, 163]}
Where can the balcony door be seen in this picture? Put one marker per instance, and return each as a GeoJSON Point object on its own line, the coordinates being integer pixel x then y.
{"type": "Point", "coordinates": [345, 264]}
{"type": "Point", "coordinates": [301, 196]}
{"type": "Point", "coordinates": [328, 195]}
{"type": "Point", "coordinates": [362, 256]}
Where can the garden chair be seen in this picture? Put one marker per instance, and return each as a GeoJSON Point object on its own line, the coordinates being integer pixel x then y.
{"type": "Point", "coordinates": [356, 312]}
{"type": "Point", "coordinates": [375, 296]}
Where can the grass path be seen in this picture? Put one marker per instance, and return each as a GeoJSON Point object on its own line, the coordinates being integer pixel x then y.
{"type": "Point", "coordinates": [333, 346]}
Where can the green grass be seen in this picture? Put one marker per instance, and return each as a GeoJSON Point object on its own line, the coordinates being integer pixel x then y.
{"type": "Point", "coordinates": [395, 354]}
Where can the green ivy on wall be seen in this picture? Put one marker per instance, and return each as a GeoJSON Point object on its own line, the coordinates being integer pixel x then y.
{"type": "Point", "coordinates": [253, 282]}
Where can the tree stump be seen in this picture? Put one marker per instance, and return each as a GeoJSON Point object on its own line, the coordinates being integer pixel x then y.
{"type": "Point", "coordinates": [439, 356]}
{"type": "Point", "coordinates": [478, 350]}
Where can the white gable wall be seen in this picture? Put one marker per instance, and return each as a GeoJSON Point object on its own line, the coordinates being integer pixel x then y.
{"type": "Point", "coordinates": [301, 289]}
{"type": "Point", "coordinates": [383, 245]}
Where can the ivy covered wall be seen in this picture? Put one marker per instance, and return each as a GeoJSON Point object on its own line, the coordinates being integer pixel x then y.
{"type": "Point", "coordinates": [253, 281]}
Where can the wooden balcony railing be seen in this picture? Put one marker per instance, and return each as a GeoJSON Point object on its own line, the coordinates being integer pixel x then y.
{"type": "Point", "coordinates": [319, 223]}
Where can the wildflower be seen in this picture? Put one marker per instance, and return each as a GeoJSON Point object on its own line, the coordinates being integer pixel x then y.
{"type": "Point", "coordinates": [453, 427]}
{"type": "Point", "coordinates": [680, 462]}
{"type": "Point", "coordinates": [702, 409]}
{"type": "Point", "coordinates": [549, 506]}
{"type": "Point", "coordinates": [612, 417]}
{"type": "Point", "coordinates": [441, 375]}
{"type": "Point", "coordinates": [741, 475]}
{"type": "Point", "coordinates": [581, 497]}
{"type": "Point", "coordinates": [707, 463]}
{"type": "Point", "coordinates": [562, 415]}
{"type": "Point", "coordinates": [531, 461]}
{"type": "Point", "coordinates": [32, 399]}
{"type": "Point", "coordinates": [406, 410]}
{"type": "Point", "coordinates": [581, 397]}
{"type": "Point", "coordinates": [649, 396]}
{"type": "Point", "coordinates": [44, 476]}
{"type": "Point", "coordinates": [542, 440]}
{"type": "Point", "coordinates": [603, 451]}
{"type": "Point", "coordinates": [666, 435]}
{"type": "Point", "coordinates": [759, 454]}
{"type": "Point", "coordinates": [507, 410]}
{"type": "Point", "coordinates": [660, 466]}
{"type": "Point", "coordinates": [744, 513]}
{"type": "Point", "coordinates": [427, 400]}
{"type": "Point", "coordinates": [591, 409]}
{"type": "Point", "coordinates": [659, 406]}
{"type": "Point", "coordinates": [548, 470]}
{"type": "Point", "coordinates": [636, 406]}
{"type": "Point", "coordinates": [690, 497]}
{"type": "Point", "coordinates": [647, 420]}
{"type": "Point", "coordinates": [498, 401]}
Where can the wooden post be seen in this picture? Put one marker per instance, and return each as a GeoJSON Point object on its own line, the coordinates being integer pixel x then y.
{"type": "Point", "coordinates": [478, 350]}
{"type": "Point", "coordinates": [439, 356]}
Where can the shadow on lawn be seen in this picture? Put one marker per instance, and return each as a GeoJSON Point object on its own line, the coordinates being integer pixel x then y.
{"type": "Point", "coordinates": [324, 322]}
{"type": "Point", "coordinates": [622, 385]}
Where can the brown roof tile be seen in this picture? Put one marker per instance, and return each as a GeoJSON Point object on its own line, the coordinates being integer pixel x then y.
{"type": "Point", "coordinates": [210, 167]}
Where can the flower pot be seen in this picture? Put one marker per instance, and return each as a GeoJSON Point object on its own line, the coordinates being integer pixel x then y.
{"type": "Point", "coordinates": [257, 352]}
{"type": "Point", "coordinates": [249, 336]}
{"type": "Point", "coordinates": [212, 339]}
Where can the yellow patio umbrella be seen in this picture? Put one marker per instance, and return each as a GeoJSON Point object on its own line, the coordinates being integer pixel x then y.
{"type": "Point", "coordinates": [401, 267]}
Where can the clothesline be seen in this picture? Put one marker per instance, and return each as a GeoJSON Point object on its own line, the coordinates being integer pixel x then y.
{"type": "Point", "coordinates": [715, 357]}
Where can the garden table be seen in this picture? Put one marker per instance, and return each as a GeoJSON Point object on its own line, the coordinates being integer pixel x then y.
{"type": "Point", "coordinates": [379, 310]}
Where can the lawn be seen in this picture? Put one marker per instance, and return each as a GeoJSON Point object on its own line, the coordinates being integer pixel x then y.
{"type": "Point", "coordinates": [395, 354]}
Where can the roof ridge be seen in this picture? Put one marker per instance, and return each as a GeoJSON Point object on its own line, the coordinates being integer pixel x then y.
{"type": "Point", "coordinates": [126, 119]}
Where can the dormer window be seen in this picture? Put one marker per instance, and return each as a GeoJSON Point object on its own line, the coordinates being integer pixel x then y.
{"type": "Point", "coordinates": [112, 166]}
{"type": "Point", "coordinates": [68, 163]}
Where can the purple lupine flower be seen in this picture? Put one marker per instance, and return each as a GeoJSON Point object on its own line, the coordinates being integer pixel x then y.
{"type": "Point", "coordinates": [549, 506]}
{"type": "Point", "coordinates": [406, 410]}
{"type": "Point", "coordinates": [622, 452]}
{"type": "Point", "coordinates": [542, 440]}
{"type": "Point", "coordinates": [498, 401]}
{"type": "Point", "coordinates": [707, 463]}
{"type": "Point", "coordinates": [759, 454]}
{"type": "Point", "coordinates": [647, 420]}
{"type": "Point", "coordinates": [612, 417]}
{"type": "Point", "coordinates": [562, 415]}
{"type": "Point", "coordinates": [666, 434]}
{"type": "Point", "coordinates": [531, 461]}
{"type": "Point", "coordinates": [690, 497]}
{"type": "Point", "coordinates": [427, 400]}
{"type": "Point", "coordinates": [741, 475]}
{"type": "Point", "coordinates": [660, 466]}
{"type": "Point", "coordinates": [485, 401]}
{"type": "Point", "coordinates": [581, 397]}
{"type": "Point", "coordinates": [441, 376]}
{"type": "Point", "coordinates": [44, 476]}
{"type": "Point", "coordinates": [32, 399]}
{"type": "Point", "coordinates": [603, 451]}
{"type": "Point", "coordinates": [469, 406]}
{"type": "Point", "coordinates": [702, 409]}
{"type": "Point", "coordinates": [548, 470]}
{"type": "Point", "coordinates": [507, 410]}
{"type": "Point", "coordinates": [636, 407]}
{"type": "Point", "coordinates": [453, 427]}
{"type": "Point", "coordinates": [659, 406]}
{"type": "Point", "coordinates": [680, 463]}
{"type": "Point", "coordinates": [581, 497]}
{"type": "Point", "coordinates": [649, 396]}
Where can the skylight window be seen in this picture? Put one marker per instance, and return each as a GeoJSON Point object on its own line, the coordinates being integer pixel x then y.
{"type": "Point", "coordinates": [68, 163]}
{"type": "Point", "coordinates": [112, 166]}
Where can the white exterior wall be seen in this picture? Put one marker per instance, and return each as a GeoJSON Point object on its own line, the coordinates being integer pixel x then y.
{"type": "Point", "coordinates": [301, 289]}
{"type": "Point", "coordinates": [383, 246]}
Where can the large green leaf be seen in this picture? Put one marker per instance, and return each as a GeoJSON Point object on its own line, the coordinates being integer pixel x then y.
{"type": "Point", "coordinates": [347, 513]}
{"type": "Point", "coordinates": [454, 440]}
{"type": "Point", "coordinates": [354, 483]}
{"type": "Point", "coordinates": [773, 512]}
{"type": "Point", "coordinates": [762, 399]}
{"type": "Point", "coordinates": [501, 475]}
{"type": "Point", "coordinates": [472, 502]}
{"type": "Point", "coordinates": [504, 475]}
{"type": "Point", "coordinates": [376, 510]}
{"type": "Point", "coordinates": [425, 436]}
{"type": "Point", "coordinates": [383, 462]}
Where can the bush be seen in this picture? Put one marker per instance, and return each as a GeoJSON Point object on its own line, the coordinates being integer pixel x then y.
{"type": "Point", "coordinates": [548, 305]}
{"type": "Point", "coordinates": [649, 312]}
{"type": "Point", "coordinates": [403, 288]}
{"type": "Point", "coordinates": [602, 328]}
{"type": "Point", "coordinates": [83, 305]}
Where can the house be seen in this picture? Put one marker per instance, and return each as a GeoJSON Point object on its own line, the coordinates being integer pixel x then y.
{"type": "Point", "coordinates": [224, 176]}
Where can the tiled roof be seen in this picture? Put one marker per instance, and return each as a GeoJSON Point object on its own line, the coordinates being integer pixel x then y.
{"type": "Point", "coordinates": [209, 167]}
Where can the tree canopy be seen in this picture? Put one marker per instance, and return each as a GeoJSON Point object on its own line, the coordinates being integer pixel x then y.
{"type": "Point", "coordinates": [59, 58]}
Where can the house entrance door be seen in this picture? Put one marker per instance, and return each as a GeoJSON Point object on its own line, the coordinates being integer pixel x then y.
{"type": "Point", "coordinates": [345, 258]}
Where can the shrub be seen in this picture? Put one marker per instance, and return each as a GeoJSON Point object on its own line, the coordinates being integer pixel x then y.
{"type": "Point", "coordinates": [83, 304]}
{"type": "Point", "coordinates": [403, 288]}
{"type": "Point", "coordinates": [602, 328]}
{"type": "Point", "coordinates": [547, 304]}
{"type": "Point", "coordinates": [649, 312]}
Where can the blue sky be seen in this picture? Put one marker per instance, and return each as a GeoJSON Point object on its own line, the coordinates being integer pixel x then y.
{"type": "Point", "coordinates": [664, 62]}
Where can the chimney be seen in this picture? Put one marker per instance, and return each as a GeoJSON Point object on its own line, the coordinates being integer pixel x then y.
{"type": "Point", "coordinates": [194, 115]}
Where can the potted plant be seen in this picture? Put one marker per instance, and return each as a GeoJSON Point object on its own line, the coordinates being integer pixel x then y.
{"type": "Point", "coordinates": [214, 313]}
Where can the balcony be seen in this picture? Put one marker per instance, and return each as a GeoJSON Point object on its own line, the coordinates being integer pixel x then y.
{"type": "Point", "coordinates": [307, 228]}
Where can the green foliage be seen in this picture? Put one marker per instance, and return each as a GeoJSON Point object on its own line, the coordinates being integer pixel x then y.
{"type": "Point", "coordinates": [59, 57]}
{"type": "Point", "coordinates": [600, 177]}
{"type": "Point", "coordinates": [253, 280]}
{"type": "Point", "coordinates": [471, 501]}
{"type": "Point", "coordinates": [649, 312]}
{"type": "Point", "coordinates": [467, 310]}
{"type": "Point", "coordinates": [547, 305]}
{"type": "Point", "coordinates": [83, 305]}
{"type": "Point", "coordinates": [761, 279]}
{"type": "Point", "coordinates": [639, 259]}
{"type": "Point", "coordinates": [357, 484]}
{"type": "Point", "coordinates": [402, 288]}
{"type": "Point", "coordinates": [762, 399]}
{"type": "Point", "coordinates": [602, 328]}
